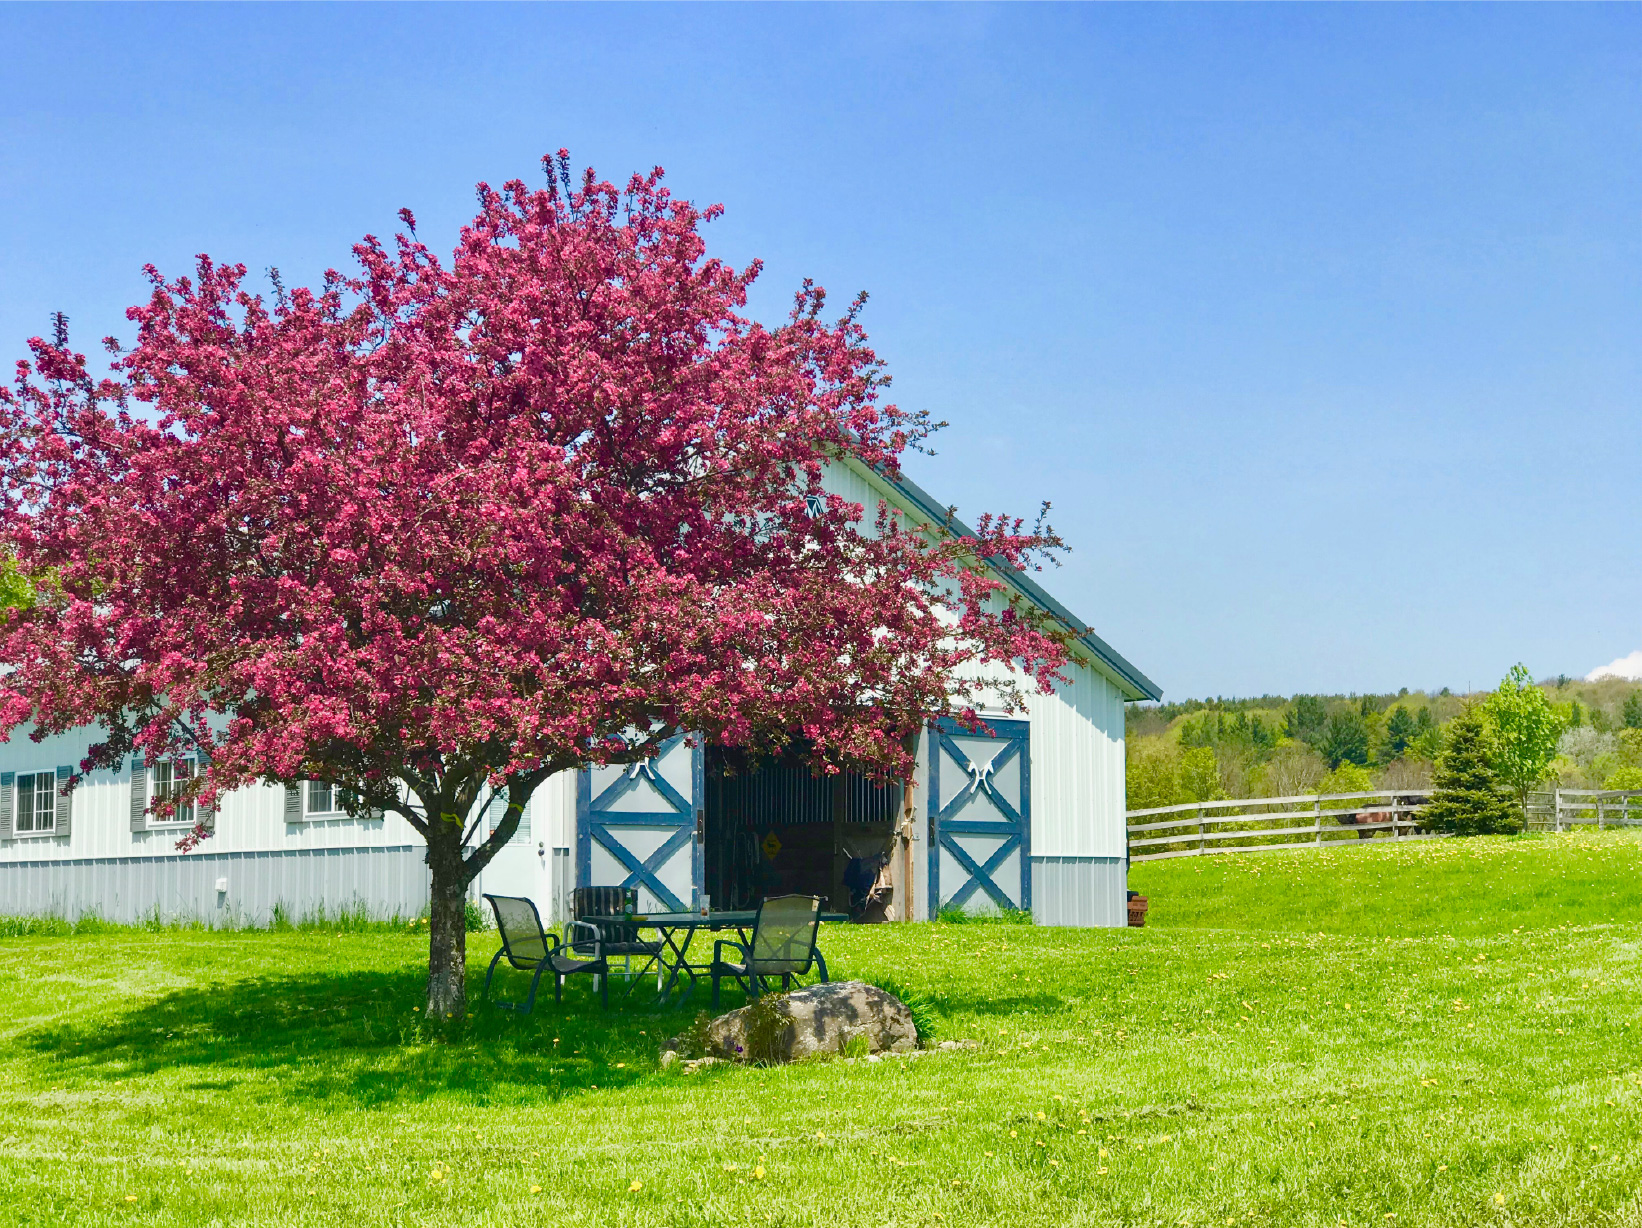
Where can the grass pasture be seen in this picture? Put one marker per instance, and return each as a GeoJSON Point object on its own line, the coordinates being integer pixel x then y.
{"type": "Point", "coordinates": [1439, 1033]}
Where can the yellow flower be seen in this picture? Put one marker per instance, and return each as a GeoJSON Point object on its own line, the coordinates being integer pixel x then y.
{"type": "Point", "coordinates": [619, 1065]}
{"type": "Point", "coordinates": [758, 1171]}
{"type": "Point", "coordinates": [635, 1186]}
{"type": "Point", "coordinates": [1054, 1163]}
{"type": "Point", "coordinates": [1499, 1200]}
{"type": "Point", "coordinates": [1101, 1171]}
{"type": "Point", "coordinates": [1040, 1115]}
{"type": "Point", "coordinates": [131, 1198]}
{"type": "Point", "coordinates": [535, 1189]}
{"type": "Point", "coordinates": [988, 1153]}
{"type": "Point", "coordinates": [1104, 1153]}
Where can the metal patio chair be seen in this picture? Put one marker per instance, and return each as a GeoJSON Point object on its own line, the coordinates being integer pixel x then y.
{"type": "Point", "coordinates": [783, 945]}
{"type": "Point", "coordinates": [530, 948]}
{"type": "Point", "coordinates": [601, 907]}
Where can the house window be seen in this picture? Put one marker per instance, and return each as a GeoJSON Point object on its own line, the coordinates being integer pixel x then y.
{"type": "Point", "coordinates": [170, 778]}
{"type": "Point", "coordinates": [326, 800]}
{"type": "Point", "coordinates": [36, 803]}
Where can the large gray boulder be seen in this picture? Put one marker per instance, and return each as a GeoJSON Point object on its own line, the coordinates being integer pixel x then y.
{"type": "Point", "coordinates": [816, 1019]}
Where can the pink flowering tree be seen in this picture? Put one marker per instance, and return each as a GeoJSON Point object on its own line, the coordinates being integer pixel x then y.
{"type": "Point", "coordinates": [437, 530]}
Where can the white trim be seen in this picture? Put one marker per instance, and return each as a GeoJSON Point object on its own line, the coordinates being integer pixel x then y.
{"type": "Point", "coordinates": [16, 808]}
{"type": "Point", "coordinates": [152, 821]}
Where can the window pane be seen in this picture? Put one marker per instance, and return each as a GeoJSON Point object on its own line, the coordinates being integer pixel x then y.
{"type": "Point", "coordinates": [319, 797]}
{"type": "Point", "coordinates": [45, 801]}
{"type": "Point", "coordinates": [25, 803]}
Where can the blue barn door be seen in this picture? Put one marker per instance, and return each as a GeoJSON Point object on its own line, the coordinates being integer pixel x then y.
{"type": "Point", "coordinates": [980, 800]}
{"type": "Point", "coordinates": [636, 826]}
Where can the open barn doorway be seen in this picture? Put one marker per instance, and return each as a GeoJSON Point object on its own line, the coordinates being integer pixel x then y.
{"type": "Point", "coordinates": [775, 828]}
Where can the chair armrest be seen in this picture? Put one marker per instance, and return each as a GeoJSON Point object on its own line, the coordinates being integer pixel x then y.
{"type": "Point", "coordinates": [598, 936]}
{"type": "Point", "coordinates": [720, 944]}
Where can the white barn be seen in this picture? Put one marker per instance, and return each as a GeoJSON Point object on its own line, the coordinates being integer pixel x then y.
{"type": "Point", "coordinates": [1030, 817]}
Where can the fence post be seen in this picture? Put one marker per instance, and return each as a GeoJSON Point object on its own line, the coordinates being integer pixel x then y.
{"type": "Point", "coordinates": [1201, 842]}
{"type": "Point", "coordinates": [1317, 823]}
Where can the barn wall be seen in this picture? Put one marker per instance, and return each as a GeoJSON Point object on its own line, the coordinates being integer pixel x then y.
{"type": "Point", "coordinates": [105, 868]}
{"type": "Point", "coordinates": [1077, 769]}
{"type": "Point", "coordinates": [386, 882]}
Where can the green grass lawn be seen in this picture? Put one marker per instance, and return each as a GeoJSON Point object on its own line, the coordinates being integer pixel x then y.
{"type": "Point", "coordinates": [1443, 1033]}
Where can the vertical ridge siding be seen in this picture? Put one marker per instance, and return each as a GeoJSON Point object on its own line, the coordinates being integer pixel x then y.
{"type": "Point", "coordinates": [1082, 891]}
{"type": "Point", "coordinates": [1077, 769]}
{"type": "Point", "coordinates": [387, 882]}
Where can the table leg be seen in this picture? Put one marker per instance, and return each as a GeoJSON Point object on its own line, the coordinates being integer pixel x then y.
{"type": "Point", "coordinates": [681, 963]}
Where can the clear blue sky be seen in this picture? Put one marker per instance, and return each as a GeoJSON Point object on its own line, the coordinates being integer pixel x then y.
{"type": "Point", "coordinates": [1321, 326]}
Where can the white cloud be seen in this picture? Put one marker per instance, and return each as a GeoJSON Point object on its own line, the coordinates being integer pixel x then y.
{"type": "Point", "coordinates": [1626, 667]}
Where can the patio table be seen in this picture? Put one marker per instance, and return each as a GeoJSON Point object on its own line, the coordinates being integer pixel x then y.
{"type": "Point", "coordinates": [678, 928]}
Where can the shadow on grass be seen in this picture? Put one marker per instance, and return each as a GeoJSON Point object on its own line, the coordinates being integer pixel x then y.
{"type": "Point", "coordinates": [358, 1037]}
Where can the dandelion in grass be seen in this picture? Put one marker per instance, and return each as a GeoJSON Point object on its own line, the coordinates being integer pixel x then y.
{"type": "Point", "coordinates": [758, 1171]}
{"type": "Point", "coordinates": [1499, 1200]}
{"type": "Point", "coordinates": [535, 1189]}
{"type": "Point", "coordinates": [634, 1186]}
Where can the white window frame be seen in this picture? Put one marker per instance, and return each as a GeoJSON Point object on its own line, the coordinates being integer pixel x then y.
{"type": "Point", "coordinates": [34, 800]}
{"type": "Point", "coordinates": [155, 788]}
{"type": "Point", "coordinates": [337, 793]}
{"type": "Point", "coordinates": [333, 811]}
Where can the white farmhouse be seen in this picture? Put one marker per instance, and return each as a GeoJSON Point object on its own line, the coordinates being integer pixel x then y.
{"type": "Point", "coordinates": [1030, 816]}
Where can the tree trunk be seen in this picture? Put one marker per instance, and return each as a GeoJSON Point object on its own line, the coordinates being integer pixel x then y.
{"type": "Point", "coordinates": [447, 926]}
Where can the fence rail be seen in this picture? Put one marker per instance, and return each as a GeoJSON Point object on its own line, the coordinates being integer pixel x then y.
{"type": "Point", "coordinates": [1250, 824]}
{"type": "Point", "coordinates": [1555, 809]}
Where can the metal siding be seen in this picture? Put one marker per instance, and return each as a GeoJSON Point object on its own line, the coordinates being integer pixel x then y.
{"type": "Point", "coordinates": [1077, 769]}
{"type": "Point", "coordinates": [1080, 891]}
{"type": "Point", "coordinates": [388, 882]}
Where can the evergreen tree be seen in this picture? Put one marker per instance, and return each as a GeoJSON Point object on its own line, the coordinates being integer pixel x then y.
{"type": "Point", "coordinates": [1345, 740]}
{"type": "Point", "coordinates": [1468, 799]}
{"type": "Point", "coordinates": [1399, 732]}
{"type": "Point", "coordinates": [1633, 710]}
{"type": "Point", "coordinates": [1306, 720]}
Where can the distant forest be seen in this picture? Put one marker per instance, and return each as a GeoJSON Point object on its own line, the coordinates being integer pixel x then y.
{"type": "Point", "coordinates": [1281, 745]}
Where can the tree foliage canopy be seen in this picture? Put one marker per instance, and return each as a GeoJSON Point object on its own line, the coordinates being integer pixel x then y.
{"type": "Point", "coordinates": [440, 528]}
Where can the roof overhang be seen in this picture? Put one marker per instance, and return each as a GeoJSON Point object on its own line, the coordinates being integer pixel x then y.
{"type": "Point", "coordinates": [1129, 680]}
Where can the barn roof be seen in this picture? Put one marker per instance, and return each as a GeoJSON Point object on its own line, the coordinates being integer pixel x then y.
{"type": "Point", "coordinates": [1135, 685]}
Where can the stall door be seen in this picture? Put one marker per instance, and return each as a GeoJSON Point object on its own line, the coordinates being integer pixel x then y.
{"type": "Point", "coordinates": [980, 794]}
{"type": "Point", "coordinates": [636, 827]}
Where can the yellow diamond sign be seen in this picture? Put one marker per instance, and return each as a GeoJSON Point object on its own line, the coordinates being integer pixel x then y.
{"type": "Point", "coordinates": [772, 845]}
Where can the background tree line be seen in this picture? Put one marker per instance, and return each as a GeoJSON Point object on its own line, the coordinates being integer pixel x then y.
{"type": "Point", "coordinates": [1575, 733]}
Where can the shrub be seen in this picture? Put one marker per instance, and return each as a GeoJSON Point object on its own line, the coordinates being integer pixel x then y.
{"type": "Point", "coordinates": [1625, 777]}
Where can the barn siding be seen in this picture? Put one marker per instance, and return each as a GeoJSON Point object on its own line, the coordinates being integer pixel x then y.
{"type": "Point", "coordinates": [386, 882]}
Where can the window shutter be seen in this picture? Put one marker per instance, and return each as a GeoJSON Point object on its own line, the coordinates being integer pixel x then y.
{"type": "Point", "coordinates": [7, 780]}
{"type": "Point", "coordinates": [207, 814]}
{"type": "Point", "coordinates": [139, 794]}
{"type": "Point", "coordinates": [522, 832]}
{"type": "Point", "coordinates": [65, 803]}
{"type": "Point", "coordinates": [293, 803]}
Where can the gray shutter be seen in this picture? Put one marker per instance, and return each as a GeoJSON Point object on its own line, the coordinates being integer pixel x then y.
{"type": "Point", "coordinates": [139, 794]}
{"type": "Point", "coordinates": [207, 814]}
{"type": "Point", "coordinates": [523, 832]}
{"type": "Point", "coordinates": [65, 803]}
{"type": "Point", "coordinates": [7, 780]}
{"type": "Point", "coordinates": [293, 803]}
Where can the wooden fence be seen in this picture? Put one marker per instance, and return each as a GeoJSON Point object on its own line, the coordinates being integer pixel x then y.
{"type": "Point", "coordinates": [1262, 824]}
{"type": "Point", "coordinates": [1555, 809]}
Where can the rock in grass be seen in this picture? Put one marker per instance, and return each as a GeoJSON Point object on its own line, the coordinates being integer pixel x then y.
{"type": "Point", "coordinates": [818, 1019]}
